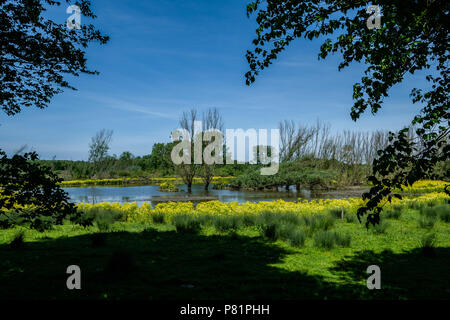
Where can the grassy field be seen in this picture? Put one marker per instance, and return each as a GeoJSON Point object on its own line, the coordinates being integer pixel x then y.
{"type": "Point", "coordinates": [269, 255]}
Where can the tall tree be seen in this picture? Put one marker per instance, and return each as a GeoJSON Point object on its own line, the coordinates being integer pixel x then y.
{"type": "Point", "coordinates": [35, 56]}
{"type": "Point", "coordinates": [412, 36]}
{"type": "Point", "coordinates": [212, 121]}
{"type": "Point", "coordinates": [188, 168]}
{"type": "Point", "coordinates": [99, 147]}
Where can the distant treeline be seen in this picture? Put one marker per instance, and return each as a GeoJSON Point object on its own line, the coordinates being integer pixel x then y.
{"type": "Point", "coordinates": [311, 157]}
{"type": "Point", "coordinates": [156, 164]}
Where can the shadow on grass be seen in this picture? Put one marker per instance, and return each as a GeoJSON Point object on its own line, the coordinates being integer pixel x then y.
{"type": "Point", "coordinates": [168, 265]}
{"type": "Point", "coordinates": [407, 275]}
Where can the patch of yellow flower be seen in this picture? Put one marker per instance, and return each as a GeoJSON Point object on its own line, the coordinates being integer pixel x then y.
{"type": "Point", "coordinates": [423, 186]}
{"type": "Point", "coordinates": [120, 181]}
{"type": "Point", "coordinates": [135, 213]}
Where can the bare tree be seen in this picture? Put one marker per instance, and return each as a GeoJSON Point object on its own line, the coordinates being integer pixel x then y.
{"type": "Point", "coordinates": [294, 140]}
{"type": "Point", "coordinates": [212, 121]}
{"type": "Point", "coordinates": [187, 171]}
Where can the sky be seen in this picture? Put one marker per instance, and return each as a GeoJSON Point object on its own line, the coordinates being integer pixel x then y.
{"type": "Point", "coordinates": [169, 56]}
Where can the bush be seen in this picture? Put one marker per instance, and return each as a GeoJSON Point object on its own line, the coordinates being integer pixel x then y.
{"type": "Point", "coordinates": [248, 220]}
{"type": "Point", "coordinates": [186, 224]}
{"type": "Point", "coordinates": [284, 231]}
{"type": "Point", "coordinates": [168, 187]}
{"type": "Point", "coordinates": [18, 240]}
{"type": "Point", "coordinates": [328, 240]}
{"type": "Point", "coordinates": [277, 226]}
{"type": "Point", "coordinates": [319, 222]}
{"type": "Point", "coordinates": [224, 224]}
{"type": "Point", "coordinates": [337, 212]}
{"type": "Point", "coordinates": [427, 222]}
{"type": "Point", "coordinates": [429, 212]}
{"type": "Point", "coordinates": [380, 228]}
{"type": "Point", "coordinates": [393, 213]}
{"type": "Point", "coordinates": [427, 243]}
{"type": "Point", "coordinates": [297, 238]}
{"type": "Point", "coordinates": [269, 231]}
{"type": "Point", "coordinates": [443, 211]}
{"type": "Point", "coordinates": [351, 218]}
{"type": "Point", "coordinates": [324, 239]}
{"type": "Point", "coordinates": [343, 240]}
{"type": "Point", "coordinates": [158, 217]}
{"type": "Point", "coordinates": [26, 183]}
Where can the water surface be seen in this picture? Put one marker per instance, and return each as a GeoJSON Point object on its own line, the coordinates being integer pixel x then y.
{"type": "Point", "coordinates": [141, 194]}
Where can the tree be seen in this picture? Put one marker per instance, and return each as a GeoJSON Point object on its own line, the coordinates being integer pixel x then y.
{"type": "Point", "coordinates": [411, 37]}
{"type": "Point", "coordinates": [36, 53]}
{"type": "Point", "coordinates": [212, 120]}
{"type": "Point", "coordinates": [188, 169]}
{"type": "Point", "coordinates": [30, 194]}
{"type": "Point", "coordinates": [99, 147]}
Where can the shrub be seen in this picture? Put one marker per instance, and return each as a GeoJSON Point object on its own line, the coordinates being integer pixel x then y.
{"type": "Point", "coordinates": [427, 243]}
{"type": "Point", "coordinates": [168, 187]}
{"type": "Point", "coordinates": [329, 239]}
{"type": "Point", "coordinates": [351, 218]}
{"type": "Point", "coordinates": [393, 213]}
{"type": "Point", "coordinates": [324, 239]}
{"type": "Point", "coordinates": [158, 217]}
{"type": "Point", "coordinates": [186, 224]}
{"type": "Point", "coordinates": [443, 211]}
{"type": "Point", "coordinates": [284, 231]}
{"type": "Point", "coordinates": [297, 238]}
{"type": "Point", "coordinates": [337, 212]}
{"type": "Point", "coordinates": [248, 220]}
{"type": "Point", "coordinates": [18, 240]}
{"type": "Point", "coordinates": [429, 212]}
{"type": "Point", "coordinates": [27, 183]}
{"type": "Point", "coordinates": [427, 222]}
{"type": "Point", "coordinates": [269, 231]}
{"type": "Point", "coordinates": [380, 228]}
{"type": "Point", "coordinates": [343, 240]}
{"type": "Point", "coordinates": [224, 224]}
{"type": "Point", "coordinates": [318, 222]}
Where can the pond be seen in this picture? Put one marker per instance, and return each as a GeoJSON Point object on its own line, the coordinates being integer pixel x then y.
{"type": "Point", "coordinates": [150, 193]}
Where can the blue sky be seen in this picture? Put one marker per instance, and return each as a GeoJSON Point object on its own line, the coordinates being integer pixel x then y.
{"type": "Point", "coordinates": [168, 56]}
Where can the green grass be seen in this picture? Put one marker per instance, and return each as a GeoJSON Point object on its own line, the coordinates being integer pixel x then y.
{"type": "Point", "coordinates": [239, 258]}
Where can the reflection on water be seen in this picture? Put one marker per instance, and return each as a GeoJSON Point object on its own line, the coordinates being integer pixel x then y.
{"type": "Point", "coordinates": [141, 194]}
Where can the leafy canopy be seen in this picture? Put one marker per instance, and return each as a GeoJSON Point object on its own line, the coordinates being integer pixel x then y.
{"type": "Point", "coordinates": [35, 56]}
{"type": "Point", "coordinates": [36, 53]}
{"type": "Point", "coordinates": [414, 35]}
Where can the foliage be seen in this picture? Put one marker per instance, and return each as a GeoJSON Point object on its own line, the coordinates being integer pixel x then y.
{"type": "Point", "coordinates": [411, 38]}
{"type": "Point", "coordinates": [24, 184]}
{"type": "Point", "coordinates": [186, 224]}
{"type": "Point", "coordinates": [428, 243]}
{"type": "Point", "coordinates": [262, 265]}
{"type": "Point", "coordinates": [99, 146]}
{"type": "Point", "coordinates": [168, 187]}
{"type": "Point", "coordinates": [329, 239]}
{"type": "Point", "coordinates": [37, 53]}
